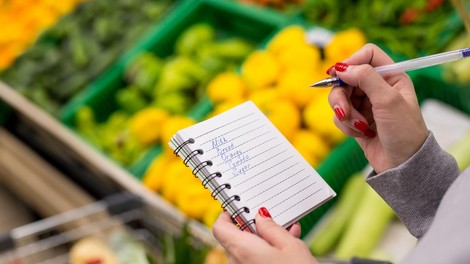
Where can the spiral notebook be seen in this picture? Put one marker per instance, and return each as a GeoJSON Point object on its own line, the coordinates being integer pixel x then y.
{"type": "Point", "coordinates": [246, 163]}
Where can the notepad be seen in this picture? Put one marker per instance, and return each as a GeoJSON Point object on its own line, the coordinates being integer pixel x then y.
{"type": "Point", "coordinates": [246, 163]}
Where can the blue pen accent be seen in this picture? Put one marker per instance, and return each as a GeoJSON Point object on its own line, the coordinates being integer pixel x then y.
{"type": "Point", "coordinates": [341, 82]}
{"type": "Point", "coordinates": [466, 52]}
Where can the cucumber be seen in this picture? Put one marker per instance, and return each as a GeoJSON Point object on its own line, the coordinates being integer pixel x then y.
{"type": "Point", "coordinates": [371, 219]}
{"type": "Point", "coordinates": [331, 228]}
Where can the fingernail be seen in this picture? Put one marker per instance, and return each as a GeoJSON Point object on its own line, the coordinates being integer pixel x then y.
{"type": "Point", "coordinates": [330, 69]}
{"type": "Point", "coordinates": [341, 66]}
{"type": "Point", "coordinates": [370, 133]}
{"type": "Point", "coordinates": [361, 126]}
{"type": "Point", "coordinates": [339, 112]}
{"type": "Point", "coordinates": [264, 212]}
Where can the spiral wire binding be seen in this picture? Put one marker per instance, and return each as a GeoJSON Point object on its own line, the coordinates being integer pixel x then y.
{"type": "Point", "coordinates": [209, 179]}
{"type": "Point", "coordinates": [181, 146]}
{"type": "Point", "coordinates": [240, 211]}
{"type": "Point", "coordinates": [230, 200]}
{"type": "Point", "coordinates": [246, 224]}
{"type": "Point", "coordinates": [219, 189]}
{"type": "Point", "coordinates": [192, 155]}
{"type": "Point", "coordinates": [200, 166]}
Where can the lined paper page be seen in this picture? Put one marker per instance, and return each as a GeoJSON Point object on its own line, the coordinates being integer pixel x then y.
{"type": "Point", "coordinates": [261, 166]}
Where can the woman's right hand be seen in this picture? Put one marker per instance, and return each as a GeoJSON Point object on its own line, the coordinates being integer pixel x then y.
{"type": "Point", "coordinates": [381, 112]}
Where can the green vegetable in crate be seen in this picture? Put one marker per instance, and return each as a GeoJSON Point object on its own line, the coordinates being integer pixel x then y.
{"type": "Point", "coordinates": [193, 38]}
{"type": "Point", "coordinates": [72, 53]}
{"type": "Point", "coordinates": [112, 137]}
{"type": "Point", "coordinates": [131, 100]}
{"type": "Point", "coordinates": [366, 228]}
{"type": "Point", "coordinates": [143, 72]}
{"type": "Point", "coordinates": [176, 103]}
{"type": "Point", "coordinates": [330, 230]}
{"type": "Point", "coordinates": [179, 74]}
{"type": "Point", "coordinates": [231, 48]}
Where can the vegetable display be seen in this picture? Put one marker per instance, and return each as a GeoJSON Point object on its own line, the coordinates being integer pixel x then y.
{"type": "Point", "coordinates": [403, 27]}
{"type": "Point", "coordinates": [158, 88]}
{"type": "Point", "coordinates": [67, 56]}
{"type": "Point", "coordinates": [22, 21]}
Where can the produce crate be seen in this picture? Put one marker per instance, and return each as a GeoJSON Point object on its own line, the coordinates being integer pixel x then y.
{"type": "Point", "coordinates": [429, 83]}
{"type": "Point", "coordinates": [50, 240]}
{"type": "Point", "coordinates": [228, 18]}
{"type": "Point", "coordinates": [79, 47]}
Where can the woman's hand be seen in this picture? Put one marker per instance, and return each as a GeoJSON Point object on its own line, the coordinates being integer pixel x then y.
{"type": "Point", "coordinates": [381, 112]}
{"type": "Point", "coordinates": [273, 244]}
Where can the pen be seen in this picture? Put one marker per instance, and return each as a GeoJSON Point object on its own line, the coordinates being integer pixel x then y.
{"type": "Point", "coordinates": [407, 65]}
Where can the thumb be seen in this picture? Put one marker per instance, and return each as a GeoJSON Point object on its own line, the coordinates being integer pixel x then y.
{"type": "Point", "coordinates": [274, 234]}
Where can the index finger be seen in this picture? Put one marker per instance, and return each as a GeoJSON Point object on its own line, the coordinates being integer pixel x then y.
{"type": "Point", "coordinates": [369, 54]}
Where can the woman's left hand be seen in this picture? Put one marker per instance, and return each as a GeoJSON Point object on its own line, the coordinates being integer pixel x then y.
{"type": "Point", "coordinates": [273, 244]}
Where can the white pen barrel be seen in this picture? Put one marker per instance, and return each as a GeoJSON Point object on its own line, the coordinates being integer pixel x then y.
{"type": "Point", "coordinates": [422, 62]}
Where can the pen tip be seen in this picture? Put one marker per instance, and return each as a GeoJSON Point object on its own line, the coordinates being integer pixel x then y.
{"type": "Point", "coordinates": [317, 84]}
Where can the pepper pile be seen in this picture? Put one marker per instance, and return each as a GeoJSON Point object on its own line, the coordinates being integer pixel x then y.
{"type": "Point", "coordinates": [69, 55]}
{"type": "Point", "coordinates": [23, 20]}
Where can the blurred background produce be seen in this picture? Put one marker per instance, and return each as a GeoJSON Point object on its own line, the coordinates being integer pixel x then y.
{"type": "Point", "coordinates": [22, 21]}
{"type": "Point", "coordinates": [159, 87]}
{"type": "Point", "coordinates": [408, 28]}
{"type": "Point", "coordinates": [69, 55]}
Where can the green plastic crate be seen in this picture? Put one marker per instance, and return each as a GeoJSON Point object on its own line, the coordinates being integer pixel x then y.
{"type": "Point", "coordinates": [228, 18]}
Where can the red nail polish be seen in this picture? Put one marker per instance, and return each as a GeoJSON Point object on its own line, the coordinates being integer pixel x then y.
{"type": "Point", "coordinates": [339, 112]}
{"type": "Point", "coordinates": [330, 69]}
{"type": "Point", "coordinates": [341, 67]}
{"type": "Point", "coordinates": [264, 212]}
{"type": "Point", "coordinates": [370, 133]}
{"type": "Point", "coordinates": [361, 126]}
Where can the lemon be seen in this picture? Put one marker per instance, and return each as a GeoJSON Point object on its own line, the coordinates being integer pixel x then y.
{"type": "Point", "coordinates": [311, 142]}
{"type": "Point", "coordinates": [175, 178]}
{"type": "Point", "coordinates": [264, 96]}
{"type": "Point", "coordinates": [284, 115]}
{"type": "Point", "coordinates": [146, 125]}
{"type": "Point", "coordinates": [212, 212]}
{"type": "Point", "coordinates": [300, 56]}
{"type": "Point", "coordinates": [318, 116]}
{"type": "Point", "coordinates": [294, 85]}
{"type": "Point", "coordinates": [307, 155]}
{"type": "Point", "coordinates": [171, 126]}
{"type": "Point", "coordinates": [226, 86]}
{"type": "Point", "coordinates": [153, 178]}
{"type": "Point", "coordinates": [192, 201]}
{"type": "Point", "coordinates": [285, 38]}
{"type": "Point", "coordinates": [344, 44]}
{"type": "Point", "coordinates": [260, 69]}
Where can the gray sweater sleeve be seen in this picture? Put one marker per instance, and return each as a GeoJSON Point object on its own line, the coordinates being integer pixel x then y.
{"type": "Point", "coordinates": [415, 189]}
